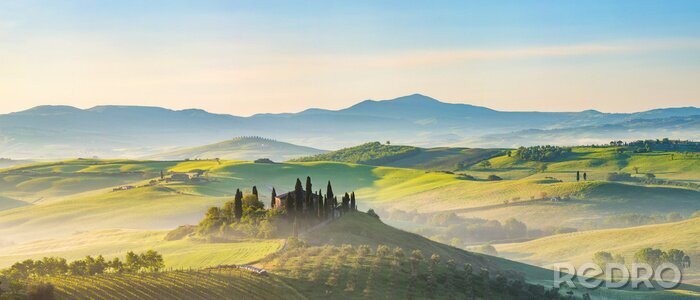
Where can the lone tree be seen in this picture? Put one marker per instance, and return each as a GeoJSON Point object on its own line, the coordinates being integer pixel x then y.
{"type": "Point", "coordinates": [272, 200]}
{"type": "Point", "coordinates": [238, 205]}
{"type": "Point", "coordinates": [255, 191]}
{"type": "Point", "coordinates": [578, 175]}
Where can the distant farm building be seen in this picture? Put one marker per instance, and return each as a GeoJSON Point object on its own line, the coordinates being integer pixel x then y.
{"type": "Point", "coordinates": [185, 177]}
{"type": "Point", "coordinates": [123, 188]}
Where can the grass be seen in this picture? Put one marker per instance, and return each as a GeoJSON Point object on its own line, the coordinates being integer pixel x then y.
{"type": "Point", "coordinates": [579, 247]}
{"type": "Point", "coordinates": [242, 148]}
{"type": "Point", "coordinates": [387, 187]}
{"type": "Point", "coordinates": [432, 159]}
{"type": "Point", "coordinates": [597, 162]}
{"type": "Point", "coordinates": [140, 208]}
{"type": "Point", "coordinates": [185, 253]}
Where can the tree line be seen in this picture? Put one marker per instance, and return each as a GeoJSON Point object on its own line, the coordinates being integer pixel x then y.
{"type": "Point", "coordinates": [18, 281]}
{"type": "Point", "coordinates": [541, 153]}
{"type": "Point", "coordinates": [374, 153]}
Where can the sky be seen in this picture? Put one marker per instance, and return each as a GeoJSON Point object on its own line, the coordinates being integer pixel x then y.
{"type": "Point", "coordinates": [248, 57]}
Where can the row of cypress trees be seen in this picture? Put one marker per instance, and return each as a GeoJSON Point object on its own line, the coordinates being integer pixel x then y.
{"type": "Point", "coordinates": [302, 202]}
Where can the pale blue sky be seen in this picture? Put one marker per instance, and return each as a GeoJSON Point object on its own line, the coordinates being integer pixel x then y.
{"type": "Point", "coordinates": [245, 57]}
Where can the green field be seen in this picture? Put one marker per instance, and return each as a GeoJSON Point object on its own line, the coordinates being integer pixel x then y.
{"type": "Point", "coordinates": [186, 253]}
{"type": "Point", "coordinates": [241, 148]}
{"type": "Point", "coordinates": [166, 206]}
{"type": "Point", "coordinates": [579, 247]}
{"type": "Point", "coordinates": [432, 159]}
{"type": "Point", "coordinates": [68, 208]}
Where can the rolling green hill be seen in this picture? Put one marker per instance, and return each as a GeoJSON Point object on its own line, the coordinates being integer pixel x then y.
{"type": "Point", "coordinates": [169, 205]}
{"type": "Point", "coordinates": [40, 182]}
{"type": "Point", "coordinates": [241, 148]}
{"type": "Point", "coordinates": [579, 247]}
{"type": "Point", "coordinates": [185, 253]}
{"type": "Point", "coordinates": [598, 162]}
{"type": "Point", "coordinates": [377, 154]}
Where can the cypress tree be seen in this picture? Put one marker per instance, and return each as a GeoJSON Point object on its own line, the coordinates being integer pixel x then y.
{"type": "Point", "coordinates": [255, 191]}
{"type": "Point", "coordinates": [298, 196]}
{"type": "Point", "coordinates": [321, 209]}
{"type": "Point", "coordinates": [309, 204]}
{"type": "Point", "coordinates": [353, 206]}
{"type": "Point", "coordinates": [326, 207]}
{"type": "Point", "coordinates": [274, 195]}
{"type": "Point", "coordinates": [319, 206]}
{"type": "Point", "coordinates": [578, 175]}
{"type": "Point", "coordinates": [238, 205]}
{"type": "Point", "coordinates": [329, 191]}
{"type": "Point", "coordinates": [346, 202]}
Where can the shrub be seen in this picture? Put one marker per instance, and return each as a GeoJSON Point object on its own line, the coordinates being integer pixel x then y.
{"type": "Point", "coordinates": [372, 213]}
{"type": "Point", "coordinates": [180, 232]}
{"type": "Point", "coordinates": [486, 249]}
{"type": "Point", "coordinates": [493, 177]}
{"type": "Point", "coordinates": [40, 291]}
{"type": "Point", "coordinates": [622, 176]}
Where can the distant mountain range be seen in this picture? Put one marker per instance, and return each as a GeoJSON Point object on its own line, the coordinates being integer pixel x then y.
{"type": "Point", "coordinates": [132, 131]}
{"type": "Point", "coordinates": [242, 148]}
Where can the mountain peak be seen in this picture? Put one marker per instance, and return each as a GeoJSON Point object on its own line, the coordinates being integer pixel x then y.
{"type": "Point", "coordinates": [416, 98]}
{"type": "Point", "coordinates": [50, 110]}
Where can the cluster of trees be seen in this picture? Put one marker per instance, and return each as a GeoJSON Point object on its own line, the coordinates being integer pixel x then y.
{"type": "Point", "coordinates": [648, 178]}
{"type": "Point", "coordinates": [373, 153]}
{"type": "Point", "coordinates": [542, 153]}
{"type": "Point", "coordinates": [20, 280]}
{"type": "Point", "coordinates": [622, 176]}
{"type": "Point", "coordinates": [148, 261]}
{"type": "Point", "coordinates": [304, 204]}
{"type": "Point", "coordinates": [665, 144]}
{"type": "Point", "coordinates": [656, 257]}
{"type": "Point", "coordinates": [247, 216]}
{"type": "Point", "coordinates": [651, 256]}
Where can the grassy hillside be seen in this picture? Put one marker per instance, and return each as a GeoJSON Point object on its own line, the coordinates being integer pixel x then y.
{"type": "Point", "coordinates": [141, 208]}
{"type": "Point", "coordinates": [377, 154]}
{"type": "Point", "coordinates": [185, 253]}
{"type": "Point", "coordinates": [598, 162]}
{"type": "Point", "coordinates": [7, 163]}
{"type": "Point", "coordinates": [580, 247]}
{"type": "Point", "coordinates": [345, 271]}
{"type": "Point", "coordinates": [169, 205]}
{"type": "Point", "coordinates": [49, 180]}
{"type": "Point", "coordinates": [241, 148]}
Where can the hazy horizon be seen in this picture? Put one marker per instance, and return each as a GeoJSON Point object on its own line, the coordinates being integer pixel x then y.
{"type": "Point", "coordinates": [335, 109]}
{"type": "Point", "coordinates": [243, 58]}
